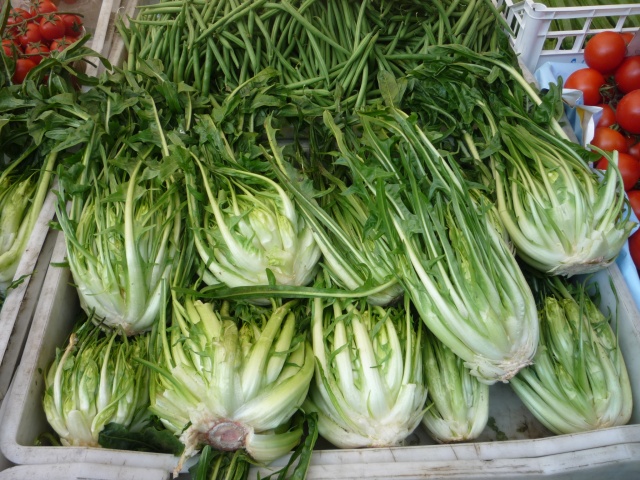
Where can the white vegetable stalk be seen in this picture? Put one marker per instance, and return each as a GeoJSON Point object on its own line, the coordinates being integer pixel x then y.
{"type": "Point", "coordinates": [95, 381]}
{"type": "Point", "coordinates": [562, 218]}
{"type": "Point", "coordinates": [461, 275]}
{"type": "Point", "coordinates": [121, 245]}
{"type": "Point", "coordinates": [247, 230]}
{"type": "Point", "coordinates": [21, 198]}
{"type": "Point", "coordinates": [368, 389]}
{"type": "Point", "coordinates": [458, 403]}
{"type": "Point", "coordinates": [232, 387]}
{"type": "Point", "coordinates": [353, 255]}
{"type": "Point", "coordinates": [578, 381]}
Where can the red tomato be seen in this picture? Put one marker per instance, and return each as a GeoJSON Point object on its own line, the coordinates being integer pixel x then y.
{"type": "Point", "coordinates": [634, 248]}
{"type": "Point", "coordinates": [627, 76]}
{"type": "Point", "coordinates": [609, 140]}
{"type": "Point", "coordinates": [72, 24]}
{"type": "Point", "coordinates": [36, 51]}
{"type": "Point", "coordinates": [51, 27]}
{"type": "Point", "coordinates": [17, 16]}
{"type": "Point", "coordinates": [628, 112]}
{"type": "Point", "coordinates": [605, 51]}
{"type": "Point", "coordinates": [635, 151]}
{"type": "Point", "coordinates": [590, 81]}
{"type": "Point", "coordinates": [23, 66]}
{"type": "Point", "coordinates": [28, 33]}
{"type": "Point", "coordinates": [608, 116]}
{"type": "Point", "coordinates": [61, 43]}
{"type": "Point", "coordinates": [43, 6]}
{"type": "Point", "coordinates": [634, 200]}
{"type": "Point", "coordinates": [628, 36]}
{"type": "Point", "coordinates": [9, 46]}
{"type": "Point", "coordinates": [629, 168]}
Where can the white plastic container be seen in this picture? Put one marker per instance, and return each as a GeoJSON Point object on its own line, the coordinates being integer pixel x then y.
{"type": "Point", "coordinates": [532, 25]}
{"type": "Point", "coordinates": [81, 471]}
{"type": "Point", "coordinates": [19, 306]}
{"type": "Point", "coordinates": [514, 443]}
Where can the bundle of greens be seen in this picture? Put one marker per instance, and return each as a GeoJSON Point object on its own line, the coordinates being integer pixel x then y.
{"type": "Point", "coordinates": [231, 378]}
{"type": "Point", "coordinates": [563, 217]}
{"type": "Point", "coordinates": [578, 381]}
{"type": "Point", "coordinates": [122, 238]}
{"type": "Point", "coordinates": [23, 188]}
{"type": "Point", "coordinates": [246, 227]}
{"type": "Point", "coordinates": [453, 261]}
{"type": "Point", "coordinates": [96, 380]}
{"type": "Point", "coordinates": [368, 389]}
{"type": "Point", "coordinates": [457, 402]}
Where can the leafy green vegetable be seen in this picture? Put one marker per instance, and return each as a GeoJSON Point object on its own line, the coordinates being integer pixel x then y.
{"type": "Point", "coordinates": [95, 381]}
{"type": "Point", "coordinates": [368, 389]}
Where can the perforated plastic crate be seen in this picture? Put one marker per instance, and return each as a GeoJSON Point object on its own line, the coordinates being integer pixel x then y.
{"type": "Point", "coordinates": [540, 34]}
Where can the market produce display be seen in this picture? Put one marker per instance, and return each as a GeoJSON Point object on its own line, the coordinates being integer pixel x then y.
{"type": "Point", "coordinates": [289, 219]}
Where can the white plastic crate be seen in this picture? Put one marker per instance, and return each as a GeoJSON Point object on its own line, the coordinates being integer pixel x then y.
{"type": "Point", "coordinates": [17, 312]}
{"type": "Point", "coordinates": [82, 471]}
{"type": "Point", "coordinates": [533, 30]}
{"type": "Point", "coordinates": [514, 443]}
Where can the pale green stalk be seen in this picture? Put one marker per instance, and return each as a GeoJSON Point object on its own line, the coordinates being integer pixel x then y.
{"type": "Point", "coordinates": [231, 379]}
{"type": "Point", "coordinates": [460, 273]}
{"type": "Point", "coordinates": [578, 381]}
{"type": "Point", "coordinates": [94, 381]}
{"type": "Point", "coordinates": [458, 403]}
{"type": "Point", "coordinates": [368, 389]}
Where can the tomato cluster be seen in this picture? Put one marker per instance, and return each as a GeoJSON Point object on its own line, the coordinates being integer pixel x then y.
{"type": "Point", "coordinates": [32, 33]}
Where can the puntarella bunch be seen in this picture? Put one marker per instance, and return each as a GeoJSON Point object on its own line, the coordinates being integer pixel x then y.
{"type": "Point", "coordinates": [94, 381]}
{"type": "Point", "coordinates": [578, 381]}
{"type": "Point", "coordinates": [246, 228]}
{"type": "Point", "coordinates": [451, 258]}
{"type": "Point", "coordinates": [368, 389]}
{"type": "Point", "coordinates": [232, 378]}
{"type": "Point", "coordinates": [122, 236]}
{"type": "Point", "coordinates": [23, 189]}
{"type": "Point", "coordinates": [458, 403]}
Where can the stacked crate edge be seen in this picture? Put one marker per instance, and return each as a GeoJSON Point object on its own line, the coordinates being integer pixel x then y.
{"type": "Point", "coordinates": [536, 40]}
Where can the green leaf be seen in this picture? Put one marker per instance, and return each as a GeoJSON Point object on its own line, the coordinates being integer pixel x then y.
{"type": "Point", "coordinates": [150, 439]}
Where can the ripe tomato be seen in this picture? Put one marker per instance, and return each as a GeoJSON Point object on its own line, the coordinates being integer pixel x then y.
{"type": "Point", "coordinates": [23, 66]}
{"type": "Point", "coordinates": [628, 112]}
{"type": "Point", "coordinates": [590, 81]}
{"type": "Point", "coordinates": [61, 43]}
{"type": "Point", "coordinates": [43, 6]}
{"type": "Point", "coordinates": [17, 16]}
{"type": "Point", "coordinates": [72, 25]}
{"type": "Point", "coordinates": [627, 76]}
{"type": "Point", "coordinates": [629, 168]}
{"type": "Point", "coordinates": [634, 248]}
{"type": "Point", "coordinates": [608, 116]}
{"type": "Point", "coordinates": [609, 140]}
{"type": "Point", "coordinates": [605, 51]}
{"type": "Point", "coordinates": [51, 26]}
{"type": "Point", "coordinates": [634, 200]}
{"type": "Point", "coordinates": [627, 36]}
{"type": "Point", "coordinates": [28, 33]}
{"type": "Point", "coordinates": [36, 51]}
{"type": "Point", "coordinates": [635, 151]}
{"type": "Point", "coordinates": [9, 46]}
